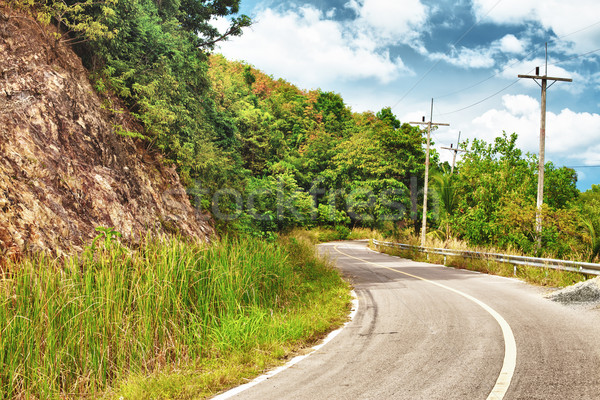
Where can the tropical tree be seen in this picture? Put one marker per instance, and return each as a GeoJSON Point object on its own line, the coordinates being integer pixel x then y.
{"type": "Point", "coordinates": [448, 198]}
{"type": "Point", "coordinates": [496, 187]}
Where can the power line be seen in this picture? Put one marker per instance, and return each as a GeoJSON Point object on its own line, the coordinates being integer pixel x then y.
{"type": "Point", "coordinates": [422, 78]}
{"type": "Point", "coordinates": [542, 155]}
{"type": "Point", "coordinates": [476, 23]}
{"type": "Point", "coordinates": [576, 56]}
{"type": "Point", "coordinates": [522, 60]}
{"type": "Point", "coordinates": [426, 184]}
{"type": "Point", "coordinates": [510, 85]}
{"type": "Point", "coordinates": [488, 78]}
{"type": "Point", "coordinates": [577, 31]}
{"type": "Point", "coordinates": [481, 101]}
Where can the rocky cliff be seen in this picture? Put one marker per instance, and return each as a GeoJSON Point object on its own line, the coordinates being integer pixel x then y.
{"type": "Point", "coordinates": [63, 169]}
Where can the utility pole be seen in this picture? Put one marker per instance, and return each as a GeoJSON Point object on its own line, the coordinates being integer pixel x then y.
{"type": "Point", "coordinates": [426, 186]}
{"type": "Point", "coordinates": [455, 150]}
{"type": "Point", "coordinates": [540, 192]}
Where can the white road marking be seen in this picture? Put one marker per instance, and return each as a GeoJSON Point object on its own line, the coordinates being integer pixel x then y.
{"type": "Point", "coordinates": [237, 390]}
{"type": "Point", "coordinates": [510, 346]}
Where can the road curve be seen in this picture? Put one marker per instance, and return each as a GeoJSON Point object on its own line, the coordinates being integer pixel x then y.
{"type": "Point", "coordinates": [425, 331]}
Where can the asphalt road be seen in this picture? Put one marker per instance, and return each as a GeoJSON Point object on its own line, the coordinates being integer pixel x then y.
{"type": "Point", "coordinates": [424, 331]}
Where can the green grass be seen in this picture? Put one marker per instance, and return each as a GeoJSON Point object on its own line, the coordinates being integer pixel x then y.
{"type": "Point", "coordinates": [172, 319]}
{"type": "Point", "coordinates": [324, 234]}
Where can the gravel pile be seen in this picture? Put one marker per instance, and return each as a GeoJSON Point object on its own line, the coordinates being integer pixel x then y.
{"type": "Point", "coordinates": [582, 292]}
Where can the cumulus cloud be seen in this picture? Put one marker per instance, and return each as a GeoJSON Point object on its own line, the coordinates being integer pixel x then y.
{"type": "Point", "coordinates": [521, 105]}
{"type": "Point", "coordinates": [514, 68]}
{"type": "Point", "coordinates": [564, 18]}
{"type": "Point", "coordinates": [568, 133]}
{"type": "Point", "coordinates": [395, 21]}
{"type": "Point", "coordinates": [310, 50]}
{"type": "Point", "coordinates": [510, 44]}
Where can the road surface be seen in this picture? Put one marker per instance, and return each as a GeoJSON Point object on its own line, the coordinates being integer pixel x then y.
{"type": "Point", "coordinates": [425, 331]}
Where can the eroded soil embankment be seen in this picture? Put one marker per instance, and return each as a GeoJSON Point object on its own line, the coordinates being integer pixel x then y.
{"type": "Point", "coordinates": [63, 169]}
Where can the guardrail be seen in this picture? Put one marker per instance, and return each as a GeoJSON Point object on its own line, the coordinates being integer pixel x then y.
{"type": "Point", "coordinates": [575, 266]}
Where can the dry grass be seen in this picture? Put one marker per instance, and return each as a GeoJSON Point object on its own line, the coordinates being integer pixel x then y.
{"type": "Point", "coordinates": [535, 275]}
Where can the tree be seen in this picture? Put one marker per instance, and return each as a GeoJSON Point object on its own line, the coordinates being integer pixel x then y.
{"type": "Point", "coordinates": [560, 186]}
{"type": "Point", "coordinates": [333, 111]}
{"type": "Point", "coordinates": [374, 165]}
{"type": "Point", "coordinates": [78, 21]}
{"type": "Point", "coordinates": [589, 208]}
{"type": "Point", "coordinates": [496, 188]}
{"type": "Point", "coordinates": [447, 194]}
{"type": "Point", "coordinates": [388, 117]}
{"type": "Point", "coordinates": [196, 15]}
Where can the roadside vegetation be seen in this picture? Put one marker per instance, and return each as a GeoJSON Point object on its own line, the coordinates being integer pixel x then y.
{"type": "Point", "coordinates": [176, 319]}
{"type": "Point", "coordinates": [169, 319]}
{"type": "Point", "coordinates": [491, 201]}
{"type": "Point", "coordinates": [489, 205]}
{"type": "Point", "coordinates": [534, 275]}
{"type": "Point", "coordinates": [264, 156]}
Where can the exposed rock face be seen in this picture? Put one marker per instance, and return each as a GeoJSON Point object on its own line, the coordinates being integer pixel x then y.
{"type": "Point", "coordinates": [63, 170]}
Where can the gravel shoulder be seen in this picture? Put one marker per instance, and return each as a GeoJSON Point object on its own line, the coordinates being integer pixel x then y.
{"type": "Point", "coordinates": [583, 294]}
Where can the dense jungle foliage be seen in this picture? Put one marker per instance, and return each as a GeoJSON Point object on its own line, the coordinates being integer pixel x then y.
{"type": "Point", "coordinates": [264, 156]}
{"type": "Point", "coordinates": [492, 201]}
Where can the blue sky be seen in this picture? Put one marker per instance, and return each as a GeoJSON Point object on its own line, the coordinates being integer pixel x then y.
{"type": "Point", "coordinates": [464, 54]}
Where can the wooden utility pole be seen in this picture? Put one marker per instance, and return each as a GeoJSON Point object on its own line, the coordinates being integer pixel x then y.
{"type": "Point", "coordinates": [455, 150]}
{"type": "Point", "coordinates": [426, 186]}
{"type": "Point", "coordinates": [540, 193]}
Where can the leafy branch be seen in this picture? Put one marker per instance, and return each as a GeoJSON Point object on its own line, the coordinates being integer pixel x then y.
{"type": "Point", "coordinates": [76, 19]}
{"type": "Point", "coordinates": [234, 30]}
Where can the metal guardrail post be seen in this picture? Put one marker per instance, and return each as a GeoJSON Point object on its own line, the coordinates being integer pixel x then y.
{"type": "Point", "coordinates": [564, 265]}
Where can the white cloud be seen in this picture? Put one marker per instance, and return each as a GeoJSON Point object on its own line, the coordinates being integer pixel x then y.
{"type": "Point", "coordinates": [510, 119]}
{"type": "Point", "coordinates": [590, 156]}
{"type": "Point", "coordinates": [467, 58]}
{"type": "Point", "coordinates": [392, 20]}
{"type": "Point", "coordinates": [506, 11]}
{"type": "Point", "coordinates": [514, 68]}
{"type": "Point", "coordinates": [521, 105]}
{"type": "Point", "coordinates": [575, 134]}
{"type": "Point", "coordinates": [510, 44]}
{"type": "Point", "coordinates": [482, 56]}
{"type": "Point", "coordinates": [569, 135]}
{"type": "Point", "coordinates": [304, 47]}
{"type": "Point", "coordinates": [562, 17]}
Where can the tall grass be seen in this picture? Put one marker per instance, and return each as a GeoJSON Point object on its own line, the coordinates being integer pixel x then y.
{"type": "Point", "coordinates": [72, 328]}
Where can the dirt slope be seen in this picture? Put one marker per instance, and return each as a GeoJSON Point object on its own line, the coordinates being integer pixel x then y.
{"type": "Point", "coordinates": [63, 170]}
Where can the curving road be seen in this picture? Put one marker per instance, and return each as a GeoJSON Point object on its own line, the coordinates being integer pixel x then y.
{"type": "Point", "coordinates": [425, 331]}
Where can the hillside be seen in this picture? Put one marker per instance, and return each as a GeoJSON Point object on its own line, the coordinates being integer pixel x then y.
{"type": "Point", "coordinates": [63, 169]}
{"type": "Point", "coordinates": [261, 155]}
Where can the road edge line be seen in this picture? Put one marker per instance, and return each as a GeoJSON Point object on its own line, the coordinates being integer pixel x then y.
{"type": "Point", "coordinates": [510, 346]}
{"type": "Point", "coordinates": [239, 389]}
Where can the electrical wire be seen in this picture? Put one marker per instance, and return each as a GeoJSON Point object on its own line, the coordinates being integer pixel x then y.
{"type": "Point", "coordinates": [498, 72]}
{"type": "Point", "coordinates": [523, 60]}
{"type": "Point", "coordinates": [513, 83]}
{"type": "Point", "coordinates": [481, 101]}
{"type": "Point", "coordinates": [575, 57]}
{"type": "Point", "coordinates": [488, 78]}
{"type": "Point", "coordinates": [577, 31]}
{"type": "Point", "coordinates": [422, 78]}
